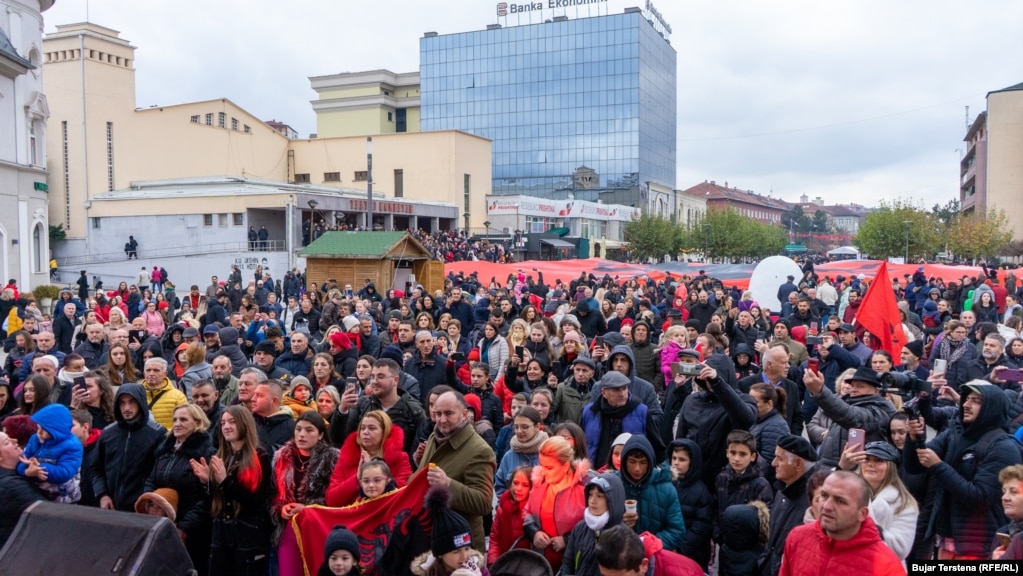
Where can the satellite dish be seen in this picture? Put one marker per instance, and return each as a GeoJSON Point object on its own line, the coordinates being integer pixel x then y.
{"type": "Point", "coordinates": [771, 273]}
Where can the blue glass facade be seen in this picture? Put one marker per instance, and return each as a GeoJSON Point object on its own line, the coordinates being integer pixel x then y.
{"type": "Point", "coordinates": [597, 92]}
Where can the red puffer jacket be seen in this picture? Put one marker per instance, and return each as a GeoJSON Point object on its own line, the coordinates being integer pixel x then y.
{"type": "Point", "coordinates": [809, 551]}
{"type": "Point", "coordinates": [507, 528]}
{"type": "Point", "coordinates": [344, 482]}
{"type": "Point", "coordinates": [665, 562]}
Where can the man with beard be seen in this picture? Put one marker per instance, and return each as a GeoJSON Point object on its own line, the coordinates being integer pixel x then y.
{"type": "Point", "coordinates": [94, 347]}
{"type": "Point", "coordinates": [988, 366]}
{"type": "Point", "coordinates": [206, 397]}
{"type": "Point", "coordinates": [701, 312]}
{"type": "Point", "coordinates": [853, 307]}
{"type": "Point", "coordinates": [126, 451]}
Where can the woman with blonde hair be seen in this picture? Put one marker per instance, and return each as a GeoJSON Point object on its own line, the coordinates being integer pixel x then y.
{"type": "Point", "coordinates": [518, 333]}
{"type": "Point", "coordinates": [117, 319]}
{"type": "Point", "coordinates": [557, 500]}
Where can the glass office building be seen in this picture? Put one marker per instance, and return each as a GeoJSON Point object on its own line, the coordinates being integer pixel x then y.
{"type": "Point", "coordinates": [585, 103]}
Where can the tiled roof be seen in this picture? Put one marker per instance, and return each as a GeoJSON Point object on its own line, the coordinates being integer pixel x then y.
{"type": "Point", "coordinates": [712, 191]}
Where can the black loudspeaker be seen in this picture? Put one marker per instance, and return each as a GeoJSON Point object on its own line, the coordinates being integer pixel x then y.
{"type": "Point", "coordinates": [67, 539]}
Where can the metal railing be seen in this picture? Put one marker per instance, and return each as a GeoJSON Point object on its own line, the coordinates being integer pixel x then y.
{"type": "Point", "coordinates": [173, 251]}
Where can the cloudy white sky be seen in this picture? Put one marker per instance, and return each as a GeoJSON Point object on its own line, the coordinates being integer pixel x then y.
{"type": "Point", "coordinates": [849, 100]}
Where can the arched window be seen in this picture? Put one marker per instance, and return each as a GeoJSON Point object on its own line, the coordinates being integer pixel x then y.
{"type": "Point", "coordinates": [37, 247]}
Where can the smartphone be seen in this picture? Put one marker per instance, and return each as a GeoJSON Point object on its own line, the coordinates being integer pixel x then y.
{"type": "Point", "coordinates": [352, 382]}
{"type": "Point", "coordinates": [813, 365]}
{"type": "Point", "coordinates": [136, 335]}
{"type": "Point", "coordinates": [689, 369]}
{"type": "Point", "coordinates": [457, 356]}
{"type": "Point", "coordinates": [1003, 539]}
{"type": "Point", "coordinates": [761, 334]}
{"type": "Point", "coordinates": [519, 351]}
{"type": "Point", "coordinates": [80, 382]}
{"type": "Point", "coordinates": [857, 439]}
{"type": "Point", "coordinates": [599, 340]}
{"type": "Point", "coordinates": [814, 340]}
{"type": "Point", "coordinates": [939, 366]}
{"type": "Point", "coordinates": [1011, 375]}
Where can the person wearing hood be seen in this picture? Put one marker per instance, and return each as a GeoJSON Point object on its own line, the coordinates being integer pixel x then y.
{"type": "Point", "coordinates": [964, 460]}
{"type": "Point", "coordinates": [605, 505]}
{"type": "Point", "coordinates": [615, 411]}
{"type": "Point", "coordinates": [126, 451]}
{"type": "Point", "coordinates": [695, 501]}
{"type": "Point", "coordinates": [591, 321]}
{"type": "Point", "coordinates": [53, 454]}
{"type": "Point", "coordinates": [742, 358]}
{"type": "Point", "coordinates": [648, 365]}
{"type": "Point", "coordinates": [709, 413]}
{"type": "Point", "coordinates": [230, 347]}
{"type": "Point", "coordinates": [658, 509]}
{"type": "Point", "coordinates": [171, 341]}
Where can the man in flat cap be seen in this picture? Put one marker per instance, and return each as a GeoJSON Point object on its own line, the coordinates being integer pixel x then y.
{"type": "Point", "coordinates": [794, 463]}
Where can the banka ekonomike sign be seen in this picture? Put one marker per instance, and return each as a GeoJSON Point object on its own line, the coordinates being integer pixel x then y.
{"type": "Point", "coordinates": [507, 8]}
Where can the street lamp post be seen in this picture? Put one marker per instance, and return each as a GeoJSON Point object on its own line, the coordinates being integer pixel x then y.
{"type": "Point", "coordinates": [312, 220]}
{"type": "Point", "coordinates": [906, 224]}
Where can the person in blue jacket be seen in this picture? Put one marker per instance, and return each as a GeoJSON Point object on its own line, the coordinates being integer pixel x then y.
{"type": "Point", "coordinates": [53, 455]}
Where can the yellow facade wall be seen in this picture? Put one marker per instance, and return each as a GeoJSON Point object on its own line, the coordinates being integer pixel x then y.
{"type": "Point", "coordinates": [1005, 156]}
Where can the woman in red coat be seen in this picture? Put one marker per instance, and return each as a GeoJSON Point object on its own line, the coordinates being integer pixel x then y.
{"type": "Point", "coordinates": [558, 499]}
{"type": "Point", "coordinates": [375, 438]}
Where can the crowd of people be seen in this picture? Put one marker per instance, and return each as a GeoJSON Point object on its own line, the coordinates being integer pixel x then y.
{"type": "Point", "coordinates": [636, 427]}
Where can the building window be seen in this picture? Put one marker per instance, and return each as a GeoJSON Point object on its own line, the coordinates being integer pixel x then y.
{"type": "Point", "coordinates": [399, 183]}
{"type": "Point", "coordinates": [361, 176]}
{"type": "Point", "coordinates": [95, 223]}
{"type": "Point", "coordinates": [239, 219]}
{"type": "Point", "coordinates": [37, 247]}
{"type": "Point", "coordinates": [465, 193]}
{"type": "Point", "coordinates": [195, 119]}
{"type": "Point", "coordinates": [110, 156]}
{"type": "Point", "coordinates": [302, 177]}
{"type": "Point", "coordinates": [67, 176]}
{"type": "Point", "coordinates": [222, 219]}
{"type": "Point", "coordinates": [209, 119]}
{"type": "Point", "coordinates": [247, 129]}
{"type": "Point", "coordinates": [234, 124]}
{"type": "Point", "coordinates": [207, 219]}
{"type": "Point", "coordinates": [390, 116]}
{"type": "Point", "coordinates": [221, 120]}
{"type": "Point", "coordinates": [331, 176]}
{"type": "Point", "coordinates": [400, 122]}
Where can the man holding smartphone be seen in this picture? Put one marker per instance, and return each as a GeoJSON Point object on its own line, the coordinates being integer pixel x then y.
{"type": "Point", "coordinates": [864, 407]}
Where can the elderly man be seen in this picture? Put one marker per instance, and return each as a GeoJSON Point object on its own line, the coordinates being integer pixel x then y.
{"type": "Point", "coordinates": [986, 366]}
{"type": "Point", "coordinates": [426, 365]}
{"type": "Point", "coordinates": [845, 537]}
{"type": "Point", "coordinates": [617, 411]}
{"type": "Point", "coordinates": [863, 407]}
{"type": "Point", "coordinates": [249, 379]}
{"type": "Point", "coordinates": [161, 396]}
{"type": "Point", "coordinates": [775, 372]}
{"type": "Point", "coordinates": [273, 426]}
{"type": "Point", "coordinates": [298, 358]}
{"type": "Point", "coordinates": [94, 347]}
{"type": "Point", "coordinates": [45, 344]}
{"type": "Point", "coordinates": [224, 381]}
{"type": "Point", "coordinates": [793, 465]}
{"type": "Point", "coordinates": [459, 459]}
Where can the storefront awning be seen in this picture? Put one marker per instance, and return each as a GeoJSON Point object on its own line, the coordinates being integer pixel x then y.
{"type": "Point", "coordinates": [554, 242]}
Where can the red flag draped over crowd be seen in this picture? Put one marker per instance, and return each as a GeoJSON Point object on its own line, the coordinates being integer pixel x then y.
{"type": "Point", "coordinates": [390, 527]}
{"type": "Point", "coordinates": [879, 314]}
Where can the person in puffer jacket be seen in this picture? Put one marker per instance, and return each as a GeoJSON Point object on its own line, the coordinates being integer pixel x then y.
{"type": "Point", "coordinates": [229, 347]}
{"type": "Point", "coordinates": [53, 454]}
{"type": "Point", "coordinates": [695, 500]}
{"type": "Point", "coordinates": [605, 505]}
{"type": "Point", "coordinates": [657, 505]}
{"type": "Point", "coordinates": [744, 531]}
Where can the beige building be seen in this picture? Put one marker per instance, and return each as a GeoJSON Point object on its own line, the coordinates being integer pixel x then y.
{"type": "Point", "coordinates": [103, 144]}
{"type": "Point", "coordinates": [366, 103]}
{"type": "Point", "coordinates": [1005, 155]}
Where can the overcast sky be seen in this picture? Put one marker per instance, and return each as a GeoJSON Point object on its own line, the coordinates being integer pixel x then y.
{"type": "Point", "coordinates": [849, 100]}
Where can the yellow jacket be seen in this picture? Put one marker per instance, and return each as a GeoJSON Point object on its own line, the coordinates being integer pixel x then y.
{"type": "Point", "coordinates": [163, 401]}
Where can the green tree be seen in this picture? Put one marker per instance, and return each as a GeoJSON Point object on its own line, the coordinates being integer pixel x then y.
{"type": "Point", "coordinates": [724, 233]}
{"type": "Point", "coordinates": [819, 222]}
{"type": "Point", "coordinates": [884, 232]}
{"type": "Point", "coordinates": [795, 220]}
{"type": "Point", "coordinates": [651, 237]}
{"type": "Point", "coordinates": [57, 232]}
{"type": "Point", "coordinates": [974, 236]}
{"type": "Point", "coordinates": [948, 214]}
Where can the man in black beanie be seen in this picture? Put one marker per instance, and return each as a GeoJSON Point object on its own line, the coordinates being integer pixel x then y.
{"type": "Point", "coordinates": [911, 354]}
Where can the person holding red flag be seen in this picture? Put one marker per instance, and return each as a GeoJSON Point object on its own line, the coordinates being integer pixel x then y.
{"type": "Point", "coordinates": [879, 314]}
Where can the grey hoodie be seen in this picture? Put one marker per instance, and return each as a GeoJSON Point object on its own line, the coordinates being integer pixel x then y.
{"type": "Point", "coordinates": [579, 559]}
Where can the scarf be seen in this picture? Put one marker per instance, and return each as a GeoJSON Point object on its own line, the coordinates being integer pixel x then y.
{"type": "Point", "coordinates": [595, 523]}
{"type": "Point", "coordinates": [442, 438]}
{"type": "Point", "coordinates": [611, 423]}
{"type": "Point", "coordinates": [529, 446]}
{"type": "Point", "coordinates": [952, 349]}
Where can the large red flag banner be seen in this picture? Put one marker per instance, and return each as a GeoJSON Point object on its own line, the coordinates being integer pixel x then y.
{"type": "Point", "coordinates": [879, 314]}
{"type": "Point", "coordinates": [382, 524]}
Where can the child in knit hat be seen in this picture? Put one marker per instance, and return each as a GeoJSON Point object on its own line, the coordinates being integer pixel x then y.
{"type": "Point", "coordinates": [451, 550]}
{"type": "Point", "coordinates": [341, 553]}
